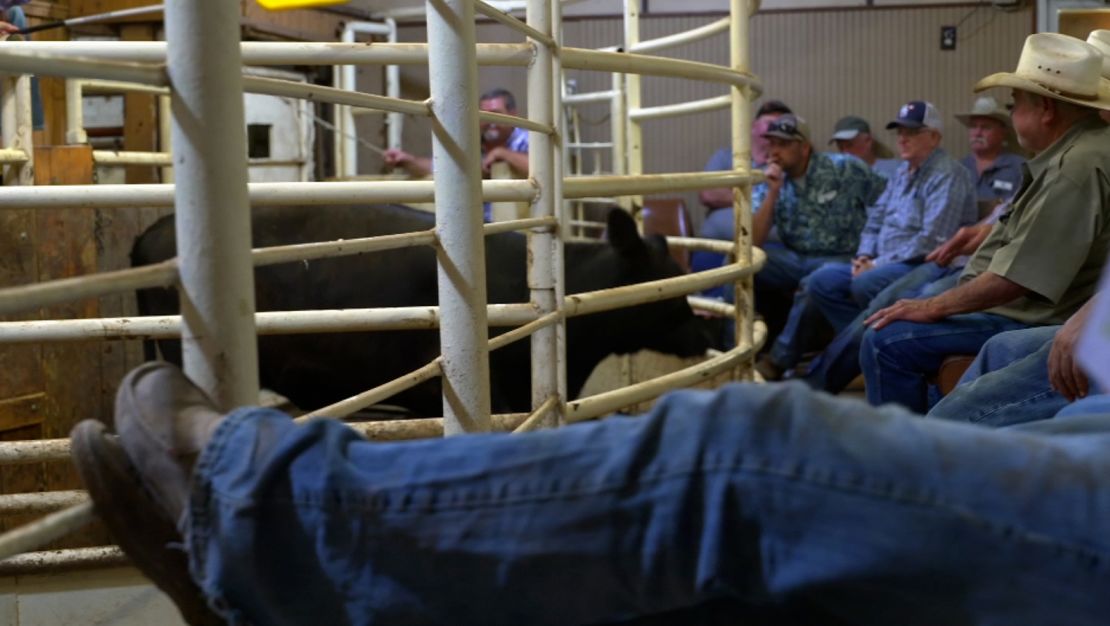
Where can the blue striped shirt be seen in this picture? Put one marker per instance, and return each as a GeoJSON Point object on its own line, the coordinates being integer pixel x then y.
{"type": "Point", "coordinates": [919, 210]}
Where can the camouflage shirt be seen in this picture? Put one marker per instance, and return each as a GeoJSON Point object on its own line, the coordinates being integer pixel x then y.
{"type": "Point", "coordinates": [823, 214]}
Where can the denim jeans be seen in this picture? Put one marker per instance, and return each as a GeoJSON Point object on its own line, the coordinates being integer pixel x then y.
{"type": "Point", "coordinates": [788, 271]}
{"type": "Point", "coordinates": [784, 271]}
{"type": "Point", "coordinates": [1007, 383]}
{"type": "Point", "coordinates": [768, 493]}
{"type": "Point", "coordinates": [898, 359]}
{"type": "Point", "coordinates": [836, 367]}
{"type": "Point", "coordinates": [840, 297]}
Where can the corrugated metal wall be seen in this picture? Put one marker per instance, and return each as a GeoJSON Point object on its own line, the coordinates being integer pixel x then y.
{"type": "Point", "coordinates": [825, 64]}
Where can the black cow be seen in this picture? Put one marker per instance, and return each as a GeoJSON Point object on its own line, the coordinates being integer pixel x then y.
{"type": "Point", "coordinates": [316, 370]}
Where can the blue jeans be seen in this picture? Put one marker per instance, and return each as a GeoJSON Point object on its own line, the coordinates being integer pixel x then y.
{"type": "Point", "coordinates": [836, 367]}
{"type": "Point", "coordinates": [841, 298]}
{"type": "Point", "coordinates": [1007, 383]}
{"type": "Point", "coordinates": [789, 271]}
{"type": "Point", "coordinates": [762, 493]}
{"type": "Point", "coordinates": [898, 359]}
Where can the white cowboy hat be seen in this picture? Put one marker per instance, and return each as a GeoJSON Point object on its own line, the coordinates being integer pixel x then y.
{"type": "Point", "coordinates": [1101, 40]}
{"type": "Point", "coordinates": [985, 106]}
{"type": "Point", "coordinates": [1059, 67]}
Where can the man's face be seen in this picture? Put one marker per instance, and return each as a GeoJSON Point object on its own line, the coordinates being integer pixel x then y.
{"type": "Point", "coordinates": [495, 134]}
{"type": "Point", "coordinates": [1025, 116]}
{"type": "Point", "coordinates": [915, 144]}
{"type": "Point", "coordinates": [760, 146]}
{"type": "Point", "coordinates": [786, 153]}
{"type": "Point", "coordinates": [985, 135]}
{"type": "Point", "coordinates": [858, 146]}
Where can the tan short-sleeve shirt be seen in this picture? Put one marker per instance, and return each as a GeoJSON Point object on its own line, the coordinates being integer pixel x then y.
{"type": "Point", "coordinates": [1055, 240]}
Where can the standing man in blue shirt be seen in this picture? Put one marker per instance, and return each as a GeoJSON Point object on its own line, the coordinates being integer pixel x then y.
{"type": "Point", "coordinates": [929, 199]}
{"type": "Point", "coordinates": [997, 173]}
{"type": "Point", "coordinates": [499, 143]}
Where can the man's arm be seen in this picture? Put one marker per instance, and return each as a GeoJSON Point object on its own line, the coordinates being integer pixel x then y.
{"type": "Point", "coordinates": [414, 165]}
{"type": "Point", "coordinates": [1064, 373]}
{"type": "Point", "coordinates": [966, 241]}
{"type": "Point", "coordinates": [978, 294]}
{"type": "Point", "coordinates": [764, 217]}
{"type": "Point", "coordinates": [518, 161]}
{"type": "Point", "coordinates": [716, 198]}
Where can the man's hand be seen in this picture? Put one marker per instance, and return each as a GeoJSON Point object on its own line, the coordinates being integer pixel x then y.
{"type": "Point", "coordinates": [8, 29]}
{"type": "Point", "coordinates": [920, 311]}
{"type": "Point", "coordinates": [1064, 373]}
{"type": "Point", "coordinates": [397, 158]}
{"type": "Point", "coordinates": [861, 264]}
{"type": "Point", "coordinates": [966, 241]}
{"type": "Point", "coordinates": [493, 156]}
{"type": "Point", "coordinates": [775, 177]}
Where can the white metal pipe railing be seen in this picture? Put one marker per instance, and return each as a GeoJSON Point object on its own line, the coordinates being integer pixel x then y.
{"type": "Point", "coordinates": [15, 117]}
{"type": "Point", "coordinates": [545, 250]}
{"type": "Point", "coordinates": [261, 194]}
{"type": "Point", "coordinates": [123, 157]}
{"type": "Point", "coordinates": [740, 117]}
{"type": "Point", "coordinates": [682, 108]}
{"type": "Point", "coordinates": [60, 560]}
{"type": "Point", "coordinates": [456, 152]}
{"type": "Point", "coordinates": [505, 19]}
{"type": "Point", "coordinates": [43, 502]}
{"type": "Point", "coordinates": [275, 53]}
{"type": "Point", "coordinates": [605, 403]}
{"type": "Point", "coordinates": [393, 318]}
{"type": "Point", "coordinates": [75, 116]}
{"type": "Point", "coordinates": [590, 97]}
{"type": "Point", "coordinates": [212, 216]}
{"type": "Point", "coordinates": [33, 296]}
{"type": "Point", "coordinates": [115, 87]}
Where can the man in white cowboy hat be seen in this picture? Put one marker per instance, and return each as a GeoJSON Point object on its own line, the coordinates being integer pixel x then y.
{"type": "Point", "coordinates": [997, 172]}
{"type": "Point", "coordinates": [1031, 374]}
{"type": "Point", "coordinates": [1101, 40]}
{"type": "Point", "coordinates": [1041, 262]}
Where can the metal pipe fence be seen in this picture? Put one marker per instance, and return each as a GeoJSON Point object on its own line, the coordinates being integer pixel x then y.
{"type": "Point", "coordinates": [463, 317]}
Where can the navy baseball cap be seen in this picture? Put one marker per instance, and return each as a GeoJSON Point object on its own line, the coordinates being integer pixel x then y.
{"type": "Point", "coordinates": [917, 114]}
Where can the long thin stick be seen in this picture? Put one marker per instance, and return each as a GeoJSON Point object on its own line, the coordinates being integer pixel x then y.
{"type": "Point", "coordinates": [89, 19]}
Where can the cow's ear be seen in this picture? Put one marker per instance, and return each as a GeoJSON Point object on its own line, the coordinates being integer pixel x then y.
{"type": "Point", "coordinates": [623, 234]}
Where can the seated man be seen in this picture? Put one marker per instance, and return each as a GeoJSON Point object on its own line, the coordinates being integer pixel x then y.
{"type": "Point", "coordinates": [929, 199]}
{"type": "Point", "coordinates": [818, 202]}
{"type": "Point", "coordinates": [852, 135]}
{"type": "Point", "coordinates": [1036, 267]}
{"type": "Point", "coordinates": [997, 172]}
{"type": "Point", "coordinates": [500, 143]}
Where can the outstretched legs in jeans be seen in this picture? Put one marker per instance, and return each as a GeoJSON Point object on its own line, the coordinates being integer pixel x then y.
{"type": "Point", "coordinates": [762, 493]}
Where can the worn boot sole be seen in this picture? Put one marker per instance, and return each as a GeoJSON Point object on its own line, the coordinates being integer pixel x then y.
{"type": "Point", "coordinates": [135, 521]}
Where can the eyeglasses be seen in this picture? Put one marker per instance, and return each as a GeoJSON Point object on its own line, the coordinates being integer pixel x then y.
{"type": "Point", "coordinates": [903, 131]}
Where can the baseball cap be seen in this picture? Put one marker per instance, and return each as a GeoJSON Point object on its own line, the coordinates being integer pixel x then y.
{"type": "Point", "coordinates": [772, 106]}
{"type": "Point", "coordinates": [848, 127]}
{"type": "Point", "coordinates": [917, 114]}
{"type": "Point", "coordinates": [789, 127]}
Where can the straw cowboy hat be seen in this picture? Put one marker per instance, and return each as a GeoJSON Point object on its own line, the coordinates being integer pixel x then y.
{"type": "Point", "coordinates": [1059, 67]}
{"type": "Point", "coordinates": [1101, 40]}
{"type": "Point", "coordinates": [985, 106]}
